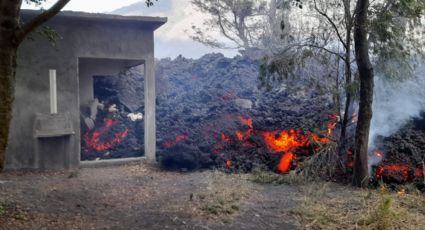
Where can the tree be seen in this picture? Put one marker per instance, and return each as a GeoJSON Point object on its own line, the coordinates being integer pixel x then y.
{"type": "Point", "coordinates": [391, 21]}
{"type": "Point", "coordinates": [395, 39]}
{"type": "Point", "coordinates": [12, 34]}
{"type": "Point", "coordinates": [342, 27]}
{"type": "Point", "coordinates": [236, 20]}
{"type": "Point", "coordinates": [329, 33]}
{"type": "Point", "coordinates": [366, 94]}
{"type": "Point", "coordinates": [245, 23]}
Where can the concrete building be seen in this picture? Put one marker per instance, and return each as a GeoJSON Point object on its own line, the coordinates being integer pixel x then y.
{"type": "Point", "coordinates": [88, 44]}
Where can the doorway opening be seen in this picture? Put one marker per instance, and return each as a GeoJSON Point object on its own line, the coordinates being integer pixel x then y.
{"type": "Point", "coordinates": [111, 108]}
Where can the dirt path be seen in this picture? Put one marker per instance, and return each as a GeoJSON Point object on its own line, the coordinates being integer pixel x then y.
{"type": "Point", "coordinates": [141, 197]}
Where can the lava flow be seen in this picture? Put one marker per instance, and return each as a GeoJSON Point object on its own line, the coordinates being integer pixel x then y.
{"type": "Point", "coordinates": [398, 172]}
{"type": "Point", "coordinates": [171, 143]}
{"type": "Point", "coordinates": [395, 172]}
{"type": "Point", "coordinates": [287, 142]}
{"type": "Point", "coordinates": [93, 141]}
{"type": "Point", "coordinates": [285, 162]}
{"type": "Point", "coordinates": [284, 142]}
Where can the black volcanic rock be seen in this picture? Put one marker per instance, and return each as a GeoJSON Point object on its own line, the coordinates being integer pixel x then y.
{"type": "Point", "coordinates": [205, 97]}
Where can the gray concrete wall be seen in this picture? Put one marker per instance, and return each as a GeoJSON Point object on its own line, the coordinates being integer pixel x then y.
{"type": "Point", "coordinates": [79, 39]}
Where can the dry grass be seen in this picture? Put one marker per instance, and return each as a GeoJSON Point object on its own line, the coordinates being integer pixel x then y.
{"type": "Point", "coordinates": [329, 206]}
{"type": "Point", "coordinates": [223, 195]}
{"type": "Point", "coordinates": [268, 177]}
{"type": "Point", "coordinates": [323, 164]}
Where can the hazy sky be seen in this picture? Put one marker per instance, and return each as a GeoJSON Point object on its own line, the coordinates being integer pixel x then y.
{"type": "Point", "coordinates": [97, 6]}
{"type": "Point", "coordinates": [171, 39]}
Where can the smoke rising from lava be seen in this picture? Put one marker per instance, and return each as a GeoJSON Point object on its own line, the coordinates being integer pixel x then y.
{"type": "Point", "coordinates": [395, 103]}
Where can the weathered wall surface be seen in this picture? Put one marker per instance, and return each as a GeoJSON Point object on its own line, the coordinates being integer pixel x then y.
{"type": "Point", "coordinates": [79, 39]}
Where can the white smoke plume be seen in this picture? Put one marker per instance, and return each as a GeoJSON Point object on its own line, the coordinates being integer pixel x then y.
{"type": "Point", "coordinates": [395, 103]}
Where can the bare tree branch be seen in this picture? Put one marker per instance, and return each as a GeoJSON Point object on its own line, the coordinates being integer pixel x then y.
{"type": "Point", "coordinates": [223, 31]}
{"type": "Point", "coordinates": [332, 24]}
{"type": "Point", "coordinates": [289, 47]}
{"type": "Point", "coordinates": [40, 19]}
{"type": "Point", "coordinates": [322, 48]}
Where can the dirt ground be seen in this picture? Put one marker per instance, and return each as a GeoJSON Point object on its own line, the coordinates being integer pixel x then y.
{"type": "Point", "coordinates": [142, 196]}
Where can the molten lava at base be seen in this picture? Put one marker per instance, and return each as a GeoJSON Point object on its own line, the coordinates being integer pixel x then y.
{"type": "Point", "coordinates": [398, 172]}
{"type": "Point", "coordinates": [171, 143]}
{"type": "Point", "coordinates": [94, 140]}
{"type": "Point", "coordinates": [287, 143]}
{"type": "Point", "coordinates": [285, 162]}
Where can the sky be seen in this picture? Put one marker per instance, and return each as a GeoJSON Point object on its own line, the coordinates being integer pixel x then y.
{"type": "Point", "coordinates": [172, 39]}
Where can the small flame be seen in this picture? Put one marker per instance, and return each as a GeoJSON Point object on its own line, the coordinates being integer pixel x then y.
{"type": "Point", "coordinates": [239, 135]}
{"type": "Point", "coordinates": [228, 163]}
{"type": "Point", "coordinates": [226, 138]}
{"type": "Point", "coordinates": [285, 162]}
{"type": "Point", "coordinates": [332, 124]}
{"type": "Point", "coordinates": [246, 120]}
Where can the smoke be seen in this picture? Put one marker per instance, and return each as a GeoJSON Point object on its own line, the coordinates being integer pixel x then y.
{"type": "Point", "coordinates": [395, 103]}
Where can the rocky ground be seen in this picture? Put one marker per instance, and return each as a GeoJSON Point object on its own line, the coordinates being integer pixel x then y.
{"type": "Point", "coordinates": [408, 144]}
{"type": "Point", "coordinates": [146, 197]}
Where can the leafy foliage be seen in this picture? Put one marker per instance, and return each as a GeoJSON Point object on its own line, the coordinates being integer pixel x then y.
{"type": "Point", "coordinates": [397, 37]}
{"type": "Point", "coordinates": [49, 33]}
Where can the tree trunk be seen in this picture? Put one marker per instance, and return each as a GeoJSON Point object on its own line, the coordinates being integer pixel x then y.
{"type": "Point", "coordinates": [9, 18]}
{"type": "Point", "coordinates": [366, 94]}
{"type": "Point", "coordinates": [7, 80]}
{"type": "Point", "coordinates": [11, 35]}
{"type": "Point", "coordinates": [348, 76]}
{"type": "Point", "coordinates": [347, 92]}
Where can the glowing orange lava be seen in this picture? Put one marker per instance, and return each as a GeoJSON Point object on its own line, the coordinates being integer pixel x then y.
{"type": "Point", "coordinates": [284, 141]}
{"type": "Point", "coordinates": [225, 138]}
{"type": "Point", "coordinates": [246, 120]}
{"type": "Point", "coordinates": [171, 143]}
{"type": "Point", "coordinates": [228, 163]}
{"type": "Point", "coordinates": [93, 141]}
{"type": "Point", "coordinates": [332, 124]}
{"type": "Point", "coordinates": [399, 172]}
{"type": "Point", "coordinates": [285, 162]}
{"type": "Point", "coordinates": [419, 173]}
